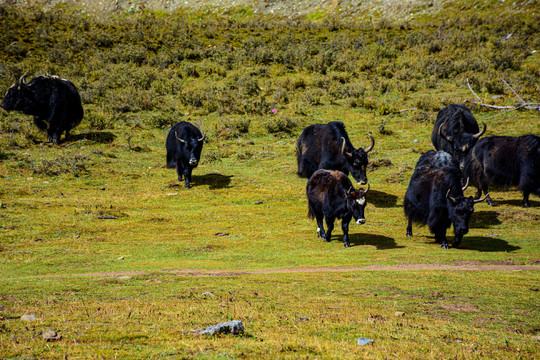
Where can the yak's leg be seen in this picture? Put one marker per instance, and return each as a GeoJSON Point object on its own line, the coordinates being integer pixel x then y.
{"type": "Point", "coordinates": [457, 240]}
{"type": "Point", "coordinates": [179, 170]}
{"type": "Point", "coordinates": [526, 202]}
{"type": "Point", "coordinates": [330, 227]}
{"type": "Point", "coordinates": [187, 175]}
{"type": "Point", "coordinates": [409, 228]}
{"type": "Point", "coordinates": [440, 237]}
{"type": "Point", "coordinates": [484, 188]}
{"type": "Point", "coordinates": [320, 228]}
{"type": "Point", "coordinates": [345, 228]}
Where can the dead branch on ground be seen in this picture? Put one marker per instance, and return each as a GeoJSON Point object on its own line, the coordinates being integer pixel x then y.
{"type": "Point", "coordinates": [522, 105]}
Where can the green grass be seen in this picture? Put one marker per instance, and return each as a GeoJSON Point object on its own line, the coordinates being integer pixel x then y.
{"type": "Point", "coordinates": [131, 286]}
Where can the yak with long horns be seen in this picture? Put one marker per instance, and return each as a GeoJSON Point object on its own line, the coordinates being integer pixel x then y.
{"type": "Point", "coordinates": [184, 145]}
{"type": "Point", "coordinates": [456, 131]}
{"type": "Point", "coordinates": [327, 146]}
{"type": "Point", "coordinates": [435, 198]}
{"type": "Point", "coordinates": [55, 104]}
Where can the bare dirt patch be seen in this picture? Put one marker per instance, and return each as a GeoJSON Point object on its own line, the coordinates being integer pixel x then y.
{"type": "Point", "coordinates": [461, 266]}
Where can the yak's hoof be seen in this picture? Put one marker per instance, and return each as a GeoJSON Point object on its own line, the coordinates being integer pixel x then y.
{"type": "Point", "coordinates": [347, 245]}
{"type": "Point", "coordinates": [445, 246]}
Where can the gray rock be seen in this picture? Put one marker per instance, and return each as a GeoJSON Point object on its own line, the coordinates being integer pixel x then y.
{"type": "Point", "coordinates": [207, 294]}
{"type": "Point", "coordinates": [399, 313]}
{"type": "Point", "coordinates": [51, 335]}
{"type": "Point", "coordinates": [234, 327]}
{"type": "Point", "coordinates": [30, 317]}
{"type": "Point", "coordinates": [363, 341]}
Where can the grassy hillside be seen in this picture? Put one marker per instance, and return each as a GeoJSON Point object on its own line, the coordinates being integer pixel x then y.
{"type": "Point", "coordinates": [100, 243]}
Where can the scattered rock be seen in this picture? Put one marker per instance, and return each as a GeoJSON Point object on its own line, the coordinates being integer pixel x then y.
{"type": "Point", "coordinates": [51, 335]}
{"type": "Point", "coordinates": [125, 277]}
{"type": "Point", "coordinates": [532, 289]}
{"type": "Point", "coordinates": [1, 308]}
{"type": "Point", "coordinates": [399, 313]}
{"type": "Point", "coordinates": [30, 317]}
{"type": "Point", "coordinates": [173, 185]}
{"type": "Point", "coordinates": [221, 234]}
{"type": "Point", "coordinates": [258, 202]}
{"type": "Point", "coordinates": [234, 327]}
{"type": "Point", "coordinates": [121, 258]}
{"type": "Point", "coordinates": [363, 341]}
{"type": "Point", "coordinates": [107, 217]}
{"type": "Point", "coordinates": [172, 194]}
{"type": "Point", "coordinates": [207, 294]}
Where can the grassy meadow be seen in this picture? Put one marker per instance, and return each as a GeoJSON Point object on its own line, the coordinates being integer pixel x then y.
{"type": "Point", "coordinates": [102, 244]}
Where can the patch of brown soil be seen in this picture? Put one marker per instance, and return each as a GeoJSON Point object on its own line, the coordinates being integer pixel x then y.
{"type": "Point", "coordinates": [461, 266]}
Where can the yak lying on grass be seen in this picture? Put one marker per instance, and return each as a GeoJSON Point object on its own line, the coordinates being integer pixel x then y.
{"type": "Point", "coordinates": [55, 104]}
{"type": "Point", "coordinates": [331, 195]}
{"type": "Point", "coordinates": [184, 145]}
{"type": "Point", "coordinates": [507, 161]}
{"type": "Point", "coordinates": [435, 198]}
{"type": "Point", "coordinates": [327, 146]}
{"type": "Point", "coordinates": [456, 131]}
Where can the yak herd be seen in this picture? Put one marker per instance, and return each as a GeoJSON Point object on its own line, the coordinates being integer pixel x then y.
{"type": "Point", "coordinates": [326, 156]}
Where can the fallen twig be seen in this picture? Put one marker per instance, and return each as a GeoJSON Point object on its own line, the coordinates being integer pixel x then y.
{"type": "Point", "coordinates": [525, 105]}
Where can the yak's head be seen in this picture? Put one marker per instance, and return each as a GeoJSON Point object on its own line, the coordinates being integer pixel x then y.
{"type": "Point", "coordinates": [192, 148]}
{"type": "Point", "coordinates": [460, 209]}
{"type": "Point", "coordinates": [18, 96]}
{"type": "Point", "coordinates": [462, 142]}
{"type": "Point", "coordinates": [357, 161]}
{"type": "Point", "coordinates": [356, 203]}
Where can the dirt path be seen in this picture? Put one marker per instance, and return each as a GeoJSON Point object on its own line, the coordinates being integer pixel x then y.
{"type": "Point", "coordinates": [457, 266]}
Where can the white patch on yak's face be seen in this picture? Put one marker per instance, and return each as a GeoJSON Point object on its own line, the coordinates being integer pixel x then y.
{"type": "Point", "coordinates": [361, 201]}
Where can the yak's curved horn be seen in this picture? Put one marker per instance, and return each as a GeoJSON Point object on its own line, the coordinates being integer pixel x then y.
{"type": "Point", "coordinates": [466, 185]}
{"type": "Point", "coordinates": [482, 199]}
{"type": "Point", "coordinates": [443, 136]}
{"type": "Point", "coordinates": [372, 143]}
{"type": "Point", "coordinates": [476, 136]}
{"type": "Point", "coordinates": [203, 136]}
{"type": "Point", "coordinates": [177, 138]}
{"type": "Point", "coordinates": [365, 191]}
{"type": "Point", "coordinates": [343, 148]}
{"type": "Point", "coordinates": [22, 80]}
{"type": "Point", "coordinates": [449, 197]}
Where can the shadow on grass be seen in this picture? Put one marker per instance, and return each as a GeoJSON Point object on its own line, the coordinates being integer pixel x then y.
{"type": "Point", "coordinates": [481, 243]}
{"type": "Point", "coordinates": [486, 244]}
{"type": "Point", "coordinates": [214, 181]}
{"type": "Point", "coordinates": [102, 137]}
{"type": "Point", "coordinates": [379, 241]}
{"type": "Point", "coordinates": [381, 199]}
{"type": "Point", "coordinates": [517, 203]}
{"type": "Point", "coordinates": [484, 219]}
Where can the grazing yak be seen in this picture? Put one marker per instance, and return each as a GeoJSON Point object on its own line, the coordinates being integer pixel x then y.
{"type": "Point", "coordinates": [435, 198]}
{"type": "Point", "coordinates": [327, 146]}
{"type": "Point", "coordinates": [331, 195]}
{"type": "Point", "coordinates": [55, 104]}
{"type": "Point", "coordinates": [184, 145]}
{"type": "Point", "coordinates": [456, 131]}
{"type": "Point", "coordinates": [507, 161]}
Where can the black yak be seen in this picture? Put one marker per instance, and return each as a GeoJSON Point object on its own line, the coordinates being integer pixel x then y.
{"type": "Point", "coordinates": [184, 145]}
{"type": "Point", "coordinates": [456, 131]}
{"type": "Point", "coordinates": [507, 161]}
{"type": "Point", "coordinates": [331, 195]}
{"type": "Point", "coordinates": [327, 146]}
{"type": "Point", "coordinates": [55, 104]}
{"type": "Point", "coordinates": [435, 198]}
